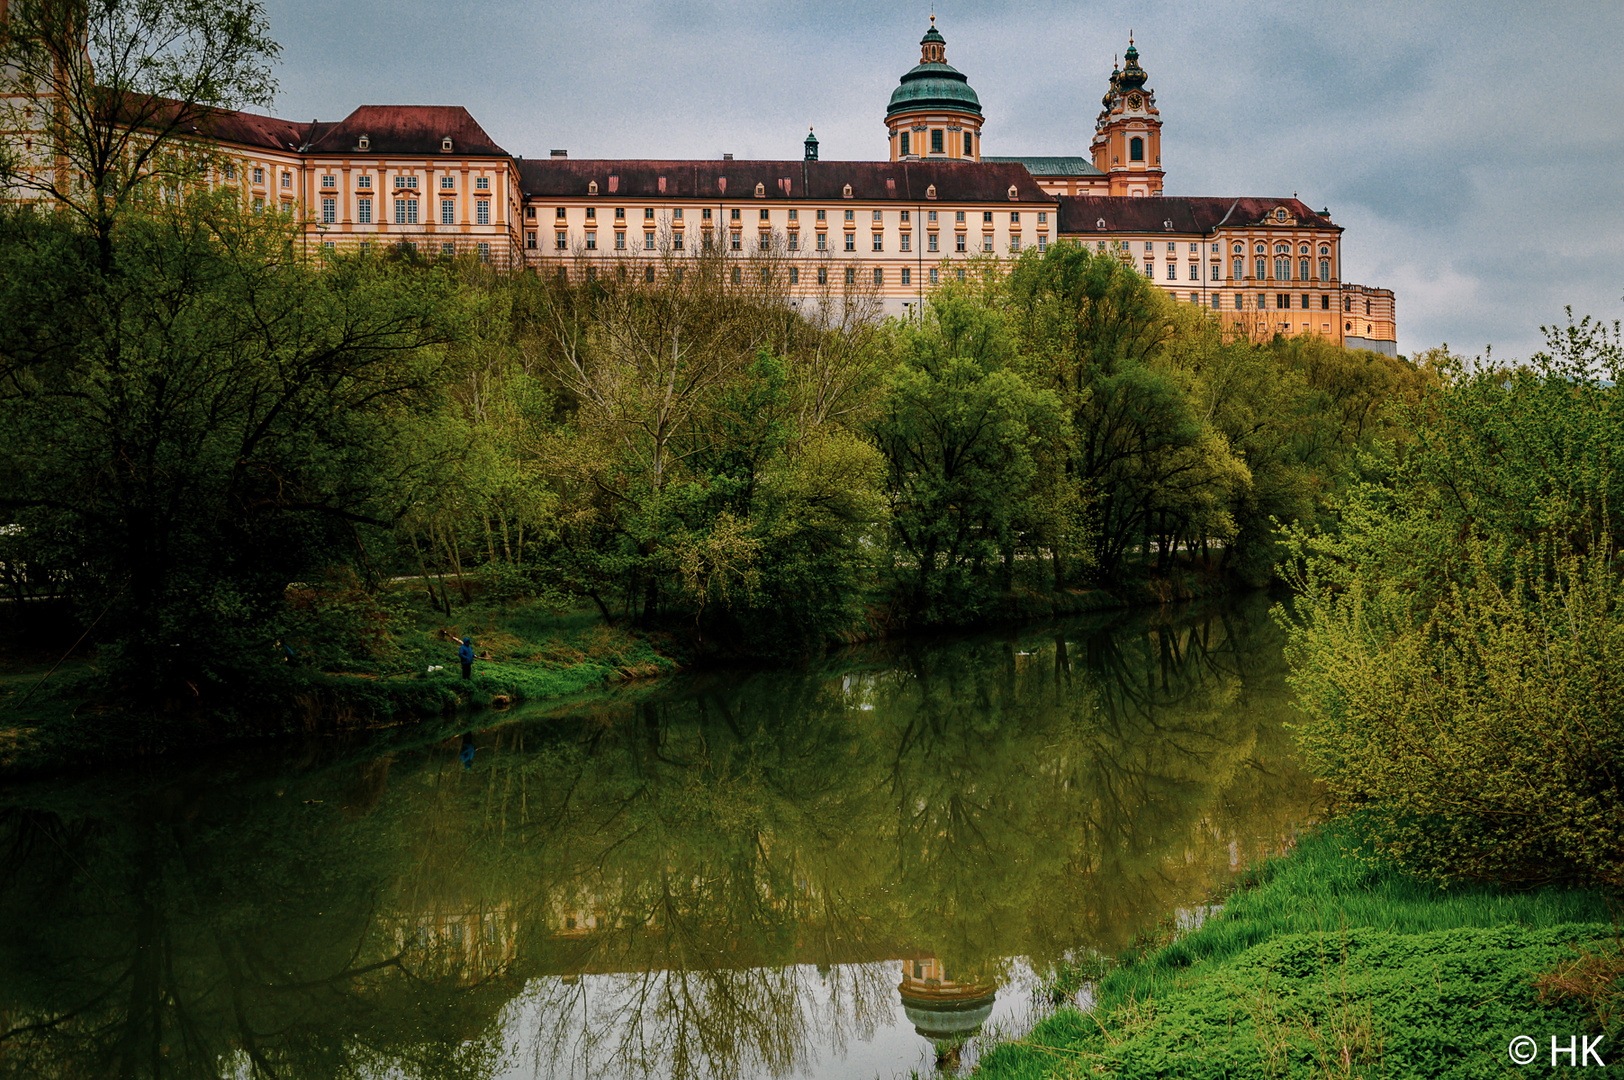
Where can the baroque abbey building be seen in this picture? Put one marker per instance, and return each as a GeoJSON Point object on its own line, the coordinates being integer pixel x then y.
{"type": "Point", "coordinates": [430, 177]}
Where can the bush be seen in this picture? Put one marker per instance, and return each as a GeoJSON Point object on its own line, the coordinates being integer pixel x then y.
{"type": "Point", "coordinates": [1482, 740]}
{"type": "Point", "coordinates": [1457, 641]}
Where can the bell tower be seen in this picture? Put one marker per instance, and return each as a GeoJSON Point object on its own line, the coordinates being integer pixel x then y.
{"type": "Point", "coordinates": [1128, 134]}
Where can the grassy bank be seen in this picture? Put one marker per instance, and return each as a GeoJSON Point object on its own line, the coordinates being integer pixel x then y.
{"type": "Point", "coordinates": [526, 653]}
{"type": "Point", "coordinates": [1324, 965]}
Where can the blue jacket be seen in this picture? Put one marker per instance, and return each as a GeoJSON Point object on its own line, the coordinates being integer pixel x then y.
{"type": "Point", "coordinates": [466, 653]}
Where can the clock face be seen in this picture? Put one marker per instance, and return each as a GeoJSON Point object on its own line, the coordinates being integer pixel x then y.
{"type": "Point", "coordinates": [1134, 101]}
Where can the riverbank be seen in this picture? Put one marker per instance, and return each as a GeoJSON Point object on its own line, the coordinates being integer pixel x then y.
{"type": "Point", "coordinates": [526, 652]}
{"type": "Point", "coordinates": [1323, 964]}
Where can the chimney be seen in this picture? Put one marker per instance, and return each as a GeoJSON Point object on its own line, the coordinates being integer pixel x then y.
{"type": "Point", "coordinates": [560, 153]}
{"type": "Point", "coordinates": [727, 157]}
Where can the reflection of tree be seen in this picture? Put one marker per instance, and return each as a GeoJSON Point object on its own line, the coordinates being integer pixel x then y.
{"type": "Point", "coordinates": [716, 878]}
{"type": "Point", "coordinates": [169, 944]}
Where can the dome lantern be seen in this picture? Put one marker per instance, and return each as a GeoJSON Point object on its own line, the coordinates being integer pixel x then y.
{"type": "Point", "coordinates": [933, 113]}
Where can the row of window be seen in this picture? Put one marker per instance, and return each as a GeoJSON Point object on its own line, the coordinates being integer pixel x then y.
{"type": "Point", "coordinates": [447, 183]}
{"type": "Point", "coordinates": [735, 214]}
{"type": "Point", "coordinates": [938, 144]}
{"type": "Point", "coordinates": [406, 212]}
{"type": "Point", "coordinates": [1282, 270]}
{"type": "Point", "coordinates": [329, 181]}
{"type": "Point", "coordinates": [876, 276]}
{"type": "Point", "coordinates": [1195, 248]}
{"type": "Point", "coordinates": [764, 241]}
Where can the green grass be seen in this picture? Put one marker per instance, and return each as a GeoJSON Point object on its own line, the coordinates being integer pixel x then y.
{"type": "Point", "coordinates": [526, 653]}
{"type": "Point", "coordinates": [1326, 965]}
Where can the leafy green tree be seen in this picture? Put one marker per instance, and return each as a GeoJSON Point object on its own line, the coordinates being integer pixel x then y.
{"type": "Point", "coordinates": [1455, 640]}
{"type": "Point", "coordinates": [1098, 333]}
{"type": "Point", "coordinates": [960, 430]}
{"type": "Point", "coordinates": [211, 421]}
{"type": "Point", "coordinates": [117, 97]}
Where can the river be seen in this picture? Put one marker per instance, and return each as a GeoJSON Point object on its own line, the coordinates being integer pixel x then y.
{"type": "Point", "coordinates": [855, 871]}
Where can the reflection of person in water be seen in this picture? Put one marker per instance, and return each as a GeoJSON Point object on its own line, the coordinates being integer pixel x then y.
{"type": "Point", "coordinates": [468, 749]}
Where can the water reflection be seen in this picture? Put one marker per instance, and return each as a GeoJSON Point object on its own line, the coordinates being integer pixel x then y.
{"type": "Point", "coordinates": [728, 875]}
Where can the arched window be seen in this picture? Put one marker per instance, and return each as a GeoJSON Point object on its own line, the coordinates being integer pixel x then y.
{"type": "Point", "coordinates": [1260, 249]}
{"type": "Point", "coordinates": [1261, 265]}
{"type": "Point", "coordinates": [1282, 268]}
{"type": "Point", "coordinates": [1367, 307]}
{"type": "Point", "coordinates": [1302, 249]}
{"type": "Point", "coordinates": [1239, 249]}
{"type": "Point", "coordinates": [1136, 149]}
{"type": "Point", "coordinates": [1325, 269]}
{"type": "Point", "coordinates": [1240, 269]}
{"type": "Point", "coordinates": [1302, 269]}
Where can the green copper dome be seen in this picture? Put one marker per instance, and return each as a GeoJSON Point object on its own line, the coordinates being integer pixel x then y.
{"type": "Point", "coordinates": [934, 84]}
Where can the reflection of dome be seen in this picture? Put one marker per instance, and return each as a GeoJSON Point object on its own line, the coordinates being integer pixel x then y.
{"type": "Point", "coordinates": [949, 1021]}
{"type": "Point", "coordinates": [940, 1009]}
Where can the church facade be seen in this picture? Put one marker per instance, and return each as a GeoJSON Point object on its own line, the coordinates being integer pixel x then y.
{"type": "Point", "coordinates": [881, 232]}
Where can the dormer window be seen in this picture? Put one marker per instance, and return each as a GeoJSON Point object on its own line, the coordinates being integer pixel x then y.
{"type": "Point", "coordinates": [1013, 192]}
{"type": "Point", "coordinates": [364, 143]}
{"type": "Point", "coordinates": [592, 188]}
{"type": "Point", "coordinates": [930, 192]}
{"type": "Point", "coordinates": [846, 191]}
{"type": "Point", "coordinates": [445, 145]}
{"type": "Point", "coordinates": [1100, 224]}
{"type": "Point", "coordinates": [761, 191]}
{"type": "Point", "coordinates": [1280, 214]}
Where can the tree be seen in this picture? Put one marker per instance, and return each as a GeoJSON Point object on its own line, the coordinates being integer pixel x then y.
{"type": "Point", "coordinates": [1456, 639]}
{"type": "Point", "coordinates": [960, 430]}
{"type": "Point", "coordinates": [215, 420]}
{"type": "Point", "coordinates": [115, 95]}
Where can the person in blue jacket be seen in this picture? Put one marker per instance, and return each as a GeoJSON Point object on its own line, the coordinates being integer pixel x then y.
{"type": "Point", "coordinates": [466, 655]}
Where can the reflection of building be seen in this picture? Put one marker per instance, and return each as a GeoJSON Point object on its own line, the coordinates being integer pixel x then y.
{"type": "Point", "coordinates": [942, 1010]}
{"type": "Point", "coordinates": [466, 945]}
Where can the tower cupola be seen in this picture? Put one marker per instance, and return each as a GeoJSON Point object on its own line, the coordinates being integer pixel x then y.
{"type": "Point", "coordinates": [811, 145]}
{"type": "Point", "coordinates": [1127, 144]}
{"type": "Point", "coordinates": [933, 114]}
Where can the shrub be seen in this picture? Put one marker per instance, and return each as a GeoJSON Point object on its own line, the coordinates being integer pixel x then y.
{"type": "Point", "coordinates": [1482, 740]}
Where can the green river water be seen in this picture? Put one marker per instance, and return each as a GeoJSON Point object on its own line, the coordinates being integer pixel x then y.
{"type": "Point", "coordinates": [856, 871]}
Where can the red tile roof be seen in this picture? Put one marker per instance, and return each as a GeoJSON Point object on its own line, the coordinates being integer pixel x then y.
{"type": "Point", "coordinates": [1082, 214]}
{"type": "Point", "coordinates": [407, 129]}
{"type": "Point", "coordinates": [252, 129]}
{"type": "Point", "coordinates": [716, 181]}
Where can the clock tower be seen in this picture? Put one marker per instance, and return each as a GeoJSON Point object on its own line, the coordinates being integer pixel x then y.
{"type": "Point", "coordinates": [1128, 134]}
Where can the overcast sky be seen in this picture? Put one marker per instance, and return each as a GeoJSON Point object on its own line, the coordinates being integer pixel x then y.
{"type": "Point", "coordinates": [1473, 151]}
